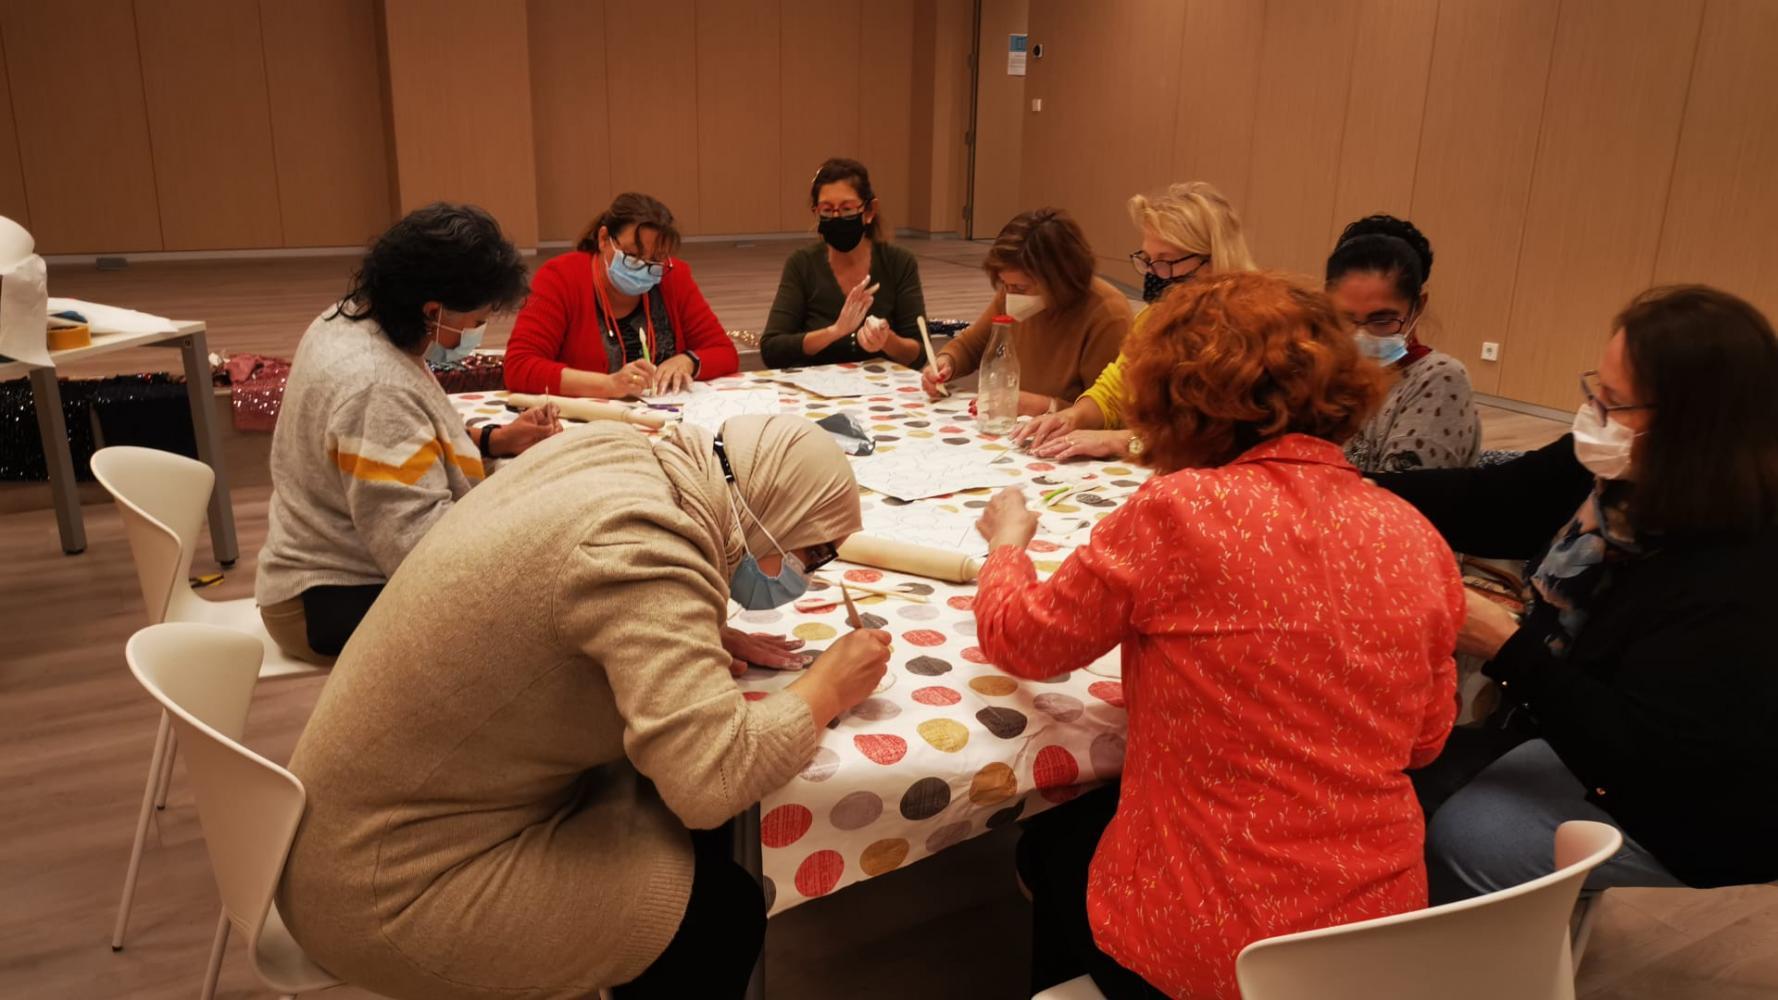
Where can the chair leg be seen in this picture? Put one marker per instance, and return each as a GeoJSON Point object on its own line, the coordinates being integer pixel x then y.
{"type": "Point", "coordinates": [1586, 909]}
{"type": "Point", "coordinates": [217, 950]}
{"type": "Point", "coordinates": [155, 760]}
{"type": "Point", "coordinates": [160, 796]}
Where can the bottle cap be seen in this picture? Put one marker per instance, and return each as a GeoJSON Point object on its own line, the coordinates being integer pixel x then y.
{"type": "Point", "coordinates": [1004, 318]}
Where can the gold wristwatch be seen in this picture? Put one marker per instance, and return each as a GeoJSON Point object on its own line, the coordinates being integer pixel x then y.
{"type": "Point", "coordinates": [1134, 446]}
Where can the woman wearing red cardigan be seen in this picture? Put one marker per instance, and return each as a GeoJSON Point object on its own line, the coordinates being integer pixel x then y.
{"type": "Point", "coordinates": [1287, 636]}
{"type": "Point", "coordinates": [619, 316]}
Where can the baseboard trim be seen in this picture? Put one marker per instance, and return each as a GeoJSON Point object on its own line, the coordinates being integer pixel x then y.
{"type": "Point", "coordinates": [1529, 409]}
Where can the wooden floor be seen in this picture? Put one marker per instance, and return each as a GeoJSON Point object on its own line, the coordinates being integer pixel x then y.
{"type": "Point", "coordinates": [77, 732]}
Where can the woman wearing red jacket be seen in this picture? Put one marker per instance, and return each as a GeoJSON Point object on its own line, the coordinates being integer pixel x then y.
{"type": "Point", "coordinates": [620, 316]}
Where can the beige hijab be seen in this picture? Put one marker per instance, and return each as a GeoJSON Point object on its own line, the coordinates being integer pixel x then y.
{"type": "Point", "coordinates": [789, 472]}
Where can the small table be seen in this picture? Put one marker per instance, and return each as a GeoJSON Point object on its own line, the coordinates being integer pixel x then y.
{"type": "Point", "coordinates": [46, 394]}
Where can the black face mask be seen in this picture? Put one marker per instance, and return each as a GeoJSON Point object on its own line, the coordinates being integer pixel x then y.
{"type": "Point", "coordinates": [1154, 286]}
{"type": "Point", "coordinates": [842, 233]}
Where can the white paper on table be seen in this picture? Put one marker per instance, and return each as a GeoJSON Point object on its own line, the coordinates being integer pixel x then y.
{"type": "Point", "coordinates": [113, 319]}
{"type": "Point", "coordinates": [832, 385]}
{"type": "Point", "coordinates": [915, 472]}
{"type": "Point", "coordinates": [925, 524]}
{"type": "Point", "coordinates": [24, 312]}
{"type": "Point", "coordinates": [680, 398]}
{"type": "Point", "coordinates": [710, 411]}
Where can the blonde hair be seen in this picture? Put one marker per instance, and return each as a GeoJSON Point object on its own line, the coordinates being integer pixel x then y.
{"type": "Point", "coordinates": [1196, 218]}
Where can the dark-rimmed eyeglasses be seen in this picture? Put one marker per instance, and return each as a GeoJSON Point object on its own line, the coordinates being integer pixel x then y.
{"type": "Point", "coordinates": [630, 262]}
{"type": "Point", "coordinates": [816, 556]}
{"type": "Point", "coordinates": [1383, 327]}
{"type": "Point", "coordinates": [1594, 391]}
{"type": "Point", "coordinates": [846, 211]}
{"type": "Point", "coordinates": [1145, 264]}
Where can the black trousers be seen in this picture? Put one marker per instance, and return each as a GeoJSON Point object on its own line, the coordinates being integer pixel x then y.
{"type": "Point", "coordinates": [332, 614]}
{"type": "Point", "coordinates": [720, 937]}
{"type": "Point", "coordinates": [1053, 856]}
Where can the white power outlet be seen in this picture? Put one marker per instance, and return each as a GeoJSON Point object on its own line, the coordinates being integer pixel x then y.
{"type": "Point", "coordinates": [1490, 351]}
{"type": "Point", "coordinates": [1036, 104]}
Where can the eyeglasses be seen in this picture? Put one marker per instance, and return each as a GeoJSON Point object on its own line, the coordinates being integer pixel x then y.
{"type": "Point", "coordinates": [1145, 264]}
{"type": "Point", "coordinates": [816, 556]}
{"type": "Point", "coordinates": [844, 211]}
{"type": "Point", "coordinates": [1594, 391]}
{"type": "Point", "coordinates": [1384, 327]}
{"type": "Point", "coordinates": [630, 262]}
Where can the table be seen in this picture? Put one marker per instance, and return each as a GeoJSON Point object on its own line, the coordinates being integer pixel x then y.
{"type": "Point", "coordinates": [46, 395]}
{"type": "Point", "coordinates": [952, 748]}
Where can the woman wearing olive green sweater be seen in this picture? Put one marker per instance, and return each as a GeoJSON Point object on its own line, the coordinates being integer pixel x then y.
{"type": "Point", "coordinates": [1188, 230]}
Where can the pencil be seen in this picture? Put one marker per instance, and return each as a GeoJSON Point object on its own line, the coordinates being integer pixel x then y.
{"type": "Point", "coordinates": [878, 591]}
{"type": "Point", "coordinates": [852, 618]}
{"type": "Point", "coordinates": [926, 339]}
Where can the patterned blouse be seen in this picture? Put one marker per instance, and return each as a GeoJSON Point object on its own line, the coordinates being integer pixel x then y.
{"type": "Point", "coordinates": [1287, 637]}
{"type": "Point", "coordinates": [1428, 421]}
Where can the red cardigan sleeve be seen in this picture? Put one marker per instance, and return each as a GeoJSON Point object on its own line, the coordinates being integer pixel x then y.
{"type": "Point", "coordinates": [699, 329]}
{"type": "Point", "coordinates": [551, 316]}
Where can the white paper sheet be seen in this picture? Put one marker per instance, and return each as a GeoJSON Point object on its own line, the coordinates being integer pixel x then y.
{"type": "Point", "coordinates": [914, 472]}
{"type": "Point", "coordinates": [833, 385]}
{"type": "Point", "coordinates": [709, 411]}
{"type": "Point", "coordinates": [24, 312]}
{"type": "Point", "coordinates": [680, 398]}
{"type": "Point", "coordinates": [112, 319]}
{"type": "Point", "coordinates": [926, 524]}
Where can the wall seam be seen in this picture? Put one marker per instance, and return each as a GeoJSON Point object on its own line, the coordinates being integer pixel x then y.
{"type": "Point", "coordinates": [160, 222]}
{"type": "Point", "coordinates": [1425, 99]}
{"type": "Point", "coordinates": [1691, 80]}
{"type": "Point", "coordinates": [271, 120]}
{"type": "Point", "coordinates": [1543, 114]}
{"type": "Point", "coordinates": [17, 145]}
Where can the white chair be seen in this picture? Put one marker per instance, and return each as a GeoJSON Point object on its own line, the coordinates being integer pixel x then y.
{"type": "Point", "coordinates": [203, 676]}
{"type": "Point", "coordinates": [1512, 943]}
{"type": "Point", "coordinates": [163, 499]}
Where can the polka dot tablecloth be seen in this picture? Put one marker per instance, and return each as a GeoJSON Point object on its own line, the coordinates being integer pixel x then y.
{"type": "Point", "coordinates": [948, 748]}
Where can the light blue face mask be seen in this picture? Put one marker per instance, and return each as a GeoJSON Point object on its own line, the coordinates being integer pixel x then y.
{"type": "Point", "coordinates": [1383, 350]}
{"type": "Point", "coordinates": [468, 341]}
{"type": "Point", "coordinates": [754, 590]}
{"type": "Point", "coordinates": [626, 278]}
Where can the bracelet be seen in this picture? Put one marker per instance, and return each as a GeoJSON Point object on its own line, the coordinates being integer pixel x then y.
{"type": "Point", "coordinates": [697, 364]}
{"type": "Point", "coordinates": [485, 442]}
{"type": "Point", "coordinates": [1055, 404]}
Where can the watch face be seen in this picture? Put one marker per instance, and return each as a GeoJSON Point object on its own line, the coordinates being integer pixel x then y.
{"type": "Point", "coordinates": [1135, 445]}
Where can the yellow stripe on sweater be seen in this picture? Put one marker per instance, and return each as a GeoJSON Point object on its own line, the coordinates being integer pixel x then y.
{"type": "Point", "coordinates": [408, 472]}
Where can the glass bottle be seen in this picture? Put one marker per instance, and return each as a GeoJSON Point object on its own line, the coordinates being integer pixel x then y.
{"type": "Point", "coordinates": [997, 409]}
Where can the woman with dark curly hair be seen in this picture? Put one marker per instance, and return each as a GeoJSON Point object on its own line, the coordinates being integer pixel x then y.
{"type": "Point", "coordinates": [369, 452]}
{"type": "Point", "coordinates": [1287, 637]}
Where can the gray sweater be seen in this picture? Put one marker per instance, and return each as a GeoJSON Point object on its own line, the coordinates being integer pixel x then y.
{"type": "Point", "coordinates": [368, 453]}
{"type": "Point", "coordinates": [1428, 421]}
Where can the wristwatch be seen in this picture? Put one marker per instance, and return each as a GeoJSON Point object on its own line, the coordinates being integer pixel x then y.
{"type": "Point", "coordinates": [485, 441]}
{"type": "Point", "coordinates": [697, 364]}
{"type": "Point", "coordinates": [1134, 446]}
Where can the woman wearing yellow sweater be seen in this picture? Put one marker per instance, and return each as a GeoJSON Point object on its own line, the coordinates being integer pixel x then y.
{"type": "Point", "coordinates": [1188, 230]}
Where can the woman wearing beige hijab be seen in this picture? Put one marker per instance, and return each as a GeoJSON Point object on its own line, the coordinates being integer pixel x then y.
{"type": "Point", "coordinates": [504, 765]}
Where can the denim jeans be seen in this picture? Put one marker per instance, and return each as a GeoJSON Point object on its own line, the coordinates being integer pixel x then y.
{"type": "Point", "coordinates": [1500, 830]}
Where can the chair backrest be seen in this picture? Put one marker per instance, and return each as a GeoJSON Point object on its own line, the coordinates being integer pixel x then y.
{"type": "Point", "coordinates": [1512, 943]}
{"type": "Point", "coordinates": [249, 807]}
{"type": "Point", "coordinates": [163, 498]}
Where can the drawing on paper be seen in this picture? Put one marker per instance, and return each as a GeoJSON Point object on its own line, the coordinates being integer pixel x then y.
{"type": "Point", "coordinates": [926, 524]}
{"type": "Point", "coordinates": [833, 384]}
{"type": "Point", "coordinates": [710, 411]}
{"type": "Point", "coordinates": [915, 472]}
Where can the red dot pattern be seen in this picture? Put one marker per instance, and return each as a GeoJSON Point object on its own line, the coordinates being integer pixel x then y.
{"type": "Point", "coordinates": [936, 696]}
{"type": "Point", "coordinates": [785, 825]}
{"type": "Point", "coordinates": [923, 637]}
{"type": "Point", "coordinates": [1054, 768]}
{"type": "Point", "coordinates": [881, 748]}
{"type": "Point", "coordinates": [1109, 692]}
{"type": "Point", "coordinates": [819, 873]}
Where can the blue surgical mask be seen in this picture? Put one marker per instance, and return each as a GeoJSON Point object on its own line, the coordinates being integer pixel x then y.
{"type": "Point", "coordinates": [1383, 350]}
{"type": "Point", "coordinates": [627, 277]}
{"type": "Point", "coordinates": [468, 341]}
{"type": "Point", "coordinates": [754, 590]}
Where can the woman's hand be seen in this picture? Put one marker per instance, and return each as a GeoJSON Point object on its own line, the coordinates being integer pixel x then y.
{"type": "Point", "coordinates": [857, 307]}
{"type": "Point", "coordinates": [1486, 627]}
{"type": "Point", "coordinates": [846, 674]}
{"type": "Point", "coordinates": [672, 375]}
{"type": "Point", "coordinates": [758, 649]}
{"type": "Point", "coordinates": [632, 379]}
{"type": "Point", "coordinates": [1007, 521]}
{"type": "Point", "coordinates": [1083, 444]}
{"type": "Point", "coordinates": [526, 429]}
{"type": "Point", "coordinates": [935, 375]}
{"type": "Point", "coordinates": [1036, 404]}
{"type": "Point", "coordinates": [1033, 433]}
{"type": "Point", "coordinates": [873, 335]}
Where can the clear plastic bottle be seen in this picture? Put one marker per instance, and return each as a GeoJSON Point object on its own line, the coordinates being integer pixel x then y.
{"type": "Point", "coordinates": [997, 408]}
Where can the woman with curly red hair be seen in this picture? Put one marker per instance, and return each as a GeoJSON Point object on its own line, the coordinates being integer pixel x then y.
{"type": "Point", "coordinates": [1286, 633]}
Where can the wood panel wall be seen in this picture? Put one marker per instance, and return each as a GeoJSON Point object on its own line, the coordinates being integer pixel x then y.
{"type": "Point", "coordinates": [1562, 155]}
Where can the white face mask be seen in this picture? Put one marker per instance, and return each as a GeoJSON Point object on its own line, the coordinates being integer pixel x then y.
{"type": "Point", "coordinates": [1603, 446]}
{"type": "Point", "coordinates": [1023, 307]}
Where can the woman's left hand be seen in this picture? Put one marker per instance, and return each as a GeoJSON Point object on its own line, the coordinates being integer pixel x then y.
{"type": "Point", "coordinates": [1007, 520]}
{"type": "Point", "coordinates": [1083, 444]}
{"type": "Point", "coordinates": [672, 375]}
{"type": "Point", "coordinates": [773, 652]}
{"type": "Point", "coordinates": [525, 430]}
{"type": "Point", "coordinates": [1486, 627]}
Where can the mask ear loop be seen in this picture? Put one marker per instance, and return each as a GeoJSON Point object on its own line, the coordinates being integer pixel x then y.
{"type": "Point", "coordinates": [728, 473]}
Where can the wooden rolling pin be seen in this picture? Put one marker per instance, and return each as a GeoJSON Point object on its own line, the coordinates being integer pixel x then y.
{"type": "Point", "coordinates": [916, 560]}
{"type": "Point", "coordinates": [588, 409]}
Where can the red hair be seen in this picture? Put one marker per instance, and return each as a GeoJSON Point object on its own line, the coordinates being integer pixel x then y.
{"type": "Point", "coordinates": [1238, 358]}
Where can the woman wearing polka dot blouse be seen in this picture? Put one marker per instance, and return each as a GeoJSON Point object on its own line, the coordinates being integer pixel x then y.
{"type": "Point", "coordinates": [1287, 637]}
{"type": "Point", "coordinates": [1376, 277]}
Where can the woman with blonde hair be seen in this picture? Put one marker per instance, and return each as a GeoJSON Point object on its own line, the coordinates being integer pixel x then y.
{"type": "Point", "coordinates": [1188, 231]}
